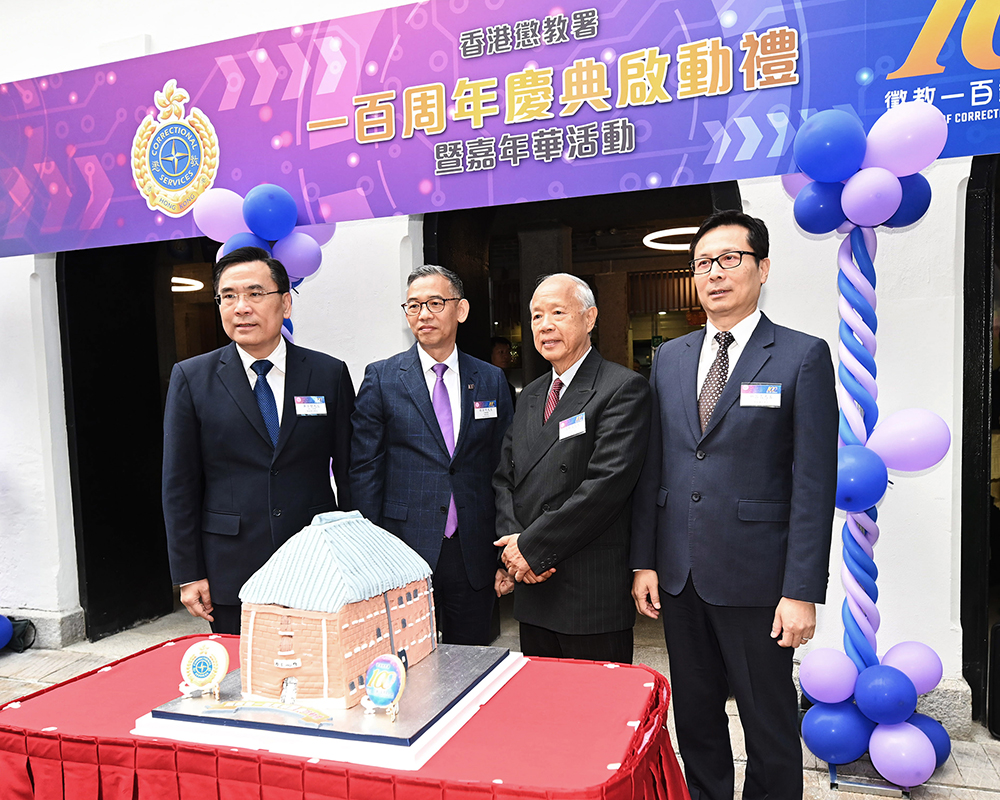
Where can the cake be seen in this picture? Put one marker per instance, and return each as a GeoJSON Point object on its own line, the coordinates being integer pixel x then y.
{"type": "Point", "coordinates": [333, 597]}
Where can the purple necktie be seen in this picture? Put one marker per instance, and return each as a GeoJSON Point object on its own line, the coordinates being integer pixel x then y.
{"type": "Point", "coordinates": [442, 410]}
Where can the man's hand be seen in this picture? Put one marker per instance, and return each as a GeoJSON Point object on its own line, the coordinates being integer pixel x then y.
{"type": "Point", "coordinates": [198, 599]}
{"type": "Point", "coordinates": [794, 622]}
{"type": "Point", "coordinates": [517, 567]}
{"type": "Point", "coordinates": [646, 592]}
{"type": "Point", "coordinates": [503, 583]}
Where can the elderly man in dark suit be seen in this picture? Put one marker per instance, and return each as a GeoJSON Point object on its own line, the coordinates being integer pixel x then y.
{"type": "Point", "coordinates": [250, 435]}
{"type": "Point", "coordinates": [733, 515]}
{"type": "Point", "coordinates": [427, 432]}
{"type": "Point", "coordinates": [569, 464]}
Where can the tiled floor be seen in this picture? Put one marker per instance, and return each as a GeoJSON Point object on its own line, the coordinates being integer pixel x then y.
{"type": "Point", "coordinates": [971, 773]}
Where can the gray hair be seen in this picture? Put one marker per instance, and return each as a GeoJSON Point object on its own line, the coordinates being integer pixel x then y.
{"type": "Point", "coordinates": [429, 270]}
{"type": "Point", "coordinates": [581, 288]}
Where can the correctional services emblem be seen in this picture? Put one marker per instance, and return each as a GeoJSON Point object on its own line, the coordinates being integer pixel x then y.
{"type": "Point", "coordinates": [174, 158]}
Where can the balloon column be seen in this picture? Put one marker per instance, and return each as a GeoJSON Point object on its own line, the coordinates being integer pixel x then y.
{"type": "Point", "coordinates": [852, 183]}
{"type": "Point", "coordinates": [266, 218]}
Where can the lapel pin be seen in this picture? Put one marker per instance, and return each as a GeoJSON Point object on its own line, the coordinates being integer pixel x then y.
{"type": "Point", "coordinates": [472, 386]}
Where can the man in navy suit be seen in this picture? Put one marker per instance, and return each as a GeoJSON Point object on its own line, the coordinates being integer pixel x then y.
{"type": "Point", "coordinates": [733, 513]}
{"type": "Point", "coordinates": [427, 432]}
{"type": "Point", "coordinates": [250, 434]}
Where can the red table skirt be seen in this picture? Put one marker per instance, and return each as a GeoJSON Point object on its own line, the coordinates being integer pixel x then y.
{"type": "Point", "coordinates": [557, 729]}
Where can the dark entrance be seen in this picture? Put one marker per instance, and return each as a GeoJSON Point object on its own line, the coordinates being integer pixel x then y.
{"type": "Point", "coordinates": [119, 341]}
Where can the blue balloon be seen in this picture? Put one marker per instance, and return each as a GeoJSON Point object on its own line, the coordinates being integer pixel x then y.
{"type": "Point", "coordinates": [6, 631]}
{"type": "Point", "coordinates": [861, 478]}
{"type": "Point", "coordinates": [934, 731]}
{"type": "Point", "coordinates": [830, 146]}
{"type": "Point", "coordinates": [838, 733]}
{"type": "Point", "coordinates": [270, 212]}
{"type": "Point", "coordinates": [238, 240]}
{"type": "Point", "coordinates": [287, 323]}
{"type": "Point", "coordinates": [916, 200]}
{"type": "Point", "coordinates": [817, 207]}
{"type": "Point", "coordinates": [885, 694]}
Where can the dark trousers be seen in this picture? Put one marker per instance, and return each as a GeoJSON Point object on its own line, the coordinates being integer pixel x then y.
{"type": "Point", "coordinates": [227, 618]}
{"type": "Point", "coordinates": [464, 615]}
{"type": "Point", "coordinates": [615, 646]}
{"type": "Point", "coordinates": [715, 649]}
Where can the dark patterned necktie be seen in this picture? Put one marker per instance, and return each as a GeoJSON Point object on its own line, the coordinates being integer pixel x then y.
{"type": "Point", "coordinates": [265, 399]}
{"type": "Point", "coordinates": [716, 379]}
{"type": "Point", "coordinates": [553, 399]}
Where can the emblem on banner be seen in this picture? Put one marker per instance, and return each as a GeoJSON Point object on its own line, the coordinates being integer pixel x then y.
{"type": "Point", "coordinates": [174, 158]}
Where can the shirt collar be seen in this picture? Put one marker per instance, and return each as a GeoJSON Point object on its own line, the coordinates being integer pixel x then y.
{"type": "Point", "coordinates": [741, 331]}
{"type": "Point", "coordinates": [427, 361]}
{"type": "Point", "coordinates": [570, 373]}
{"type": "Point", "coordinates": [277, 358]}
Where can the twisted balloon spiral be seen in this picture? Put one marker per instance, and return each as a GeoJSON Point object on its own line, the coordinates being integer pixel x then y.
{"type": "Point", "coordinates": [857, 395]}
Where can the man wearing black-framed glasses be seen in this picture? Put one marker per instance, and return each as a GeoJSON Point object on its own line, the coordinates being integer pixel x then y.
{"type": "Point", "coordinates": [251, 433]}
{"type": "Point", "coordinates": [428, 426]}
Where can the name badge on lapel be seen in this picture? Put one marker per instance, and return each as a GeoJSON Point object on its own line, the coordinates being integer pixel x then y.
{"type": "Point", "coordinates": [310, 406]}
{"type": "Point", "coordinates": [574, 426]}
{"type": "Point", "coordinates": [760, 395]}
{"type": "Point", "coordinates": [485, 409]}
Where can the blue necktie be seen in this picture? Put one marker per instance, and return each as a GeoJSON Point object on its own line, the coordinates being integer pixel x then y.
{"type": "Point", "coordinates": [265, 399]}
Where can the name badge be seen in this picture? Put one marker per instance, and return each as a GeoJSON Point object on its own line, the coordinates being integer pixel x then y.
{"type": "Point", "coordinates": [573, 426]}
{"type": "Point", "coordinates": [760, 395]}
{"type": "Point", "coordinates": [485, 409]}
{"type": "Point", "coordinates": [310, 406]}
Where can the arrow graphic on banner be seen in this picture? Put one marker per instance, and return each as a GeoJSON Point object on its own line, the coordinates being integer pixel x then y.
{"type": "Point", "coordinates": [59, 195]}
{"type": "Point", "coordinates": [20, 193]}
{"type": "Point", "coordinates": [779, 121]}
{"type": "Point", "coordinates": [234, 82]}
{"type": "Point", "coordinates": [300, 71]}
{"type": "Point", "coordinates": [101, 191]}
{"type": "Point", "coordinates": [268, 76]}
{"type": "Point", "coordinates": [720, 139]}
{"type": "Point", "coordinates": [751, 135]}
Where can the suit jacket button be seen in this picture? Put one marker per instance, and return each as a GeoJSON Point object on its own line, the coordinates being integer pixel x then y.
{"type": "Point", "coordinates": [563, 468]}
{"type": "Point", "coordinates": [276, 512]}
{"type": "Point", "coordinates": [444, 509]}
{"type": "Point", "coordinates": [274, 472]}
{"type": "Point", "coordinates": [451, 470]}
{"type": "Point", "coordinates": [696, 496]}
{"type": "Point", "coordinates": [700, 455]}
{"type": "Point", "coordinates": [545, 507]}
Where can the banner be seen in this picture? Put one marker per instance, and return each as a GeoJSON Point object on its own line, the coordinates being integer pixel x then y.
{"type": "Point", "coordinates": [462, 103]}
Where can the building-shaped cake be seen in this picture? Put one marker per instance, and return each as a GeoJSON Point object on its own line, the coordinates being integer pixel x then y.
{"type": "Point", "coordinates": [333, 597]}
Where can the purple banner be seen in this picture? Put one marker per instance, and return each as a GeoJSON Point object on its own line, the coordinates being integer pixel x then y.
{"type": "Point", "coordinates": [458, 104]}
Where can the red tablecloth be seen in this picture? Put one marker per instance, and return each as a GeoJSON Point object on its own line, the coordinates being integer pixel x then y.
{"type": "Point", "coordinates": [557, 729]}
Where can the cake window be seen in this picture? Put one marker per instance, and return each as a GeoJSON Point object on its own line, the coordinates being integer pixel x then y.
{"type": "Point", "coordinates": [351, 686]}
{"type": "Point", "coordinates": [409, 597]}
{"type": "Point", "coordinates": [400, 600]}
{"type": "Point", "coordinates": [378, 633]}
{"type": "Point", "coordinates": [403, 623]}
{"type": "Point", "coordinates": [415, 593]}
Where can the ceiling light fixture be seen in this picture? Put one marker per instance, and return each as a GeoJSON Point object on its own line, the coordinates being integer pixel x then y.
{"type": "Point", "coordinates": [650, 239]}
{"type": "Point", "coordinates": [185, 285]}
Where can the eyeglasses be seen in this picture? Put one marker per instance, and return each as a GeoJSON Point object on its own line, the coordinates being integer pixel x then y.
{"type": "Point", "coordinates": [702, 266]}
{"type": "Point", "coordinates": [232, 298]}
{"type": "Point", "coordinates": [435, 305]}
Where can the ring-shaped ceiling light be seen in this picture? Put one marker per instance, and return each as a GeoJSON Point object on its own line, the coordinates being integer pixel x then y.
{"type": "Point", "coordinates": [650, 239]}
{"type": "Point", "coordinates": [185, 285]}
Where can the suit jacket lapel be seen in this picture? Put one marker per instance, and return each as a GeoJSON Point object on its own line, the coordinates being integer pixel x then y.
{"type": "Point", "coordinates": [297, 373]}
{"type": "Point", "coordinates": [688, 382]}
{"type": "Point", "coordinates": [235, 379]}
{"type": "Point", "coordinates": [753, 357]}
{"type": "Point", "coordinates": [468, 376]}
{"type": "Point", "coordinates": [412, 377]}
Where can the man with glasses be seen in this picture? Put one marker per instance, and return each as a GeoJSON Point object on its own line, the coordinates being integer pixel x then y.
{"type": "Point", "coordinates": [428, 426]}
{"type": "Point", "coordinates": [250, 434]}
{"type": "Point", "coordinates": [732, 515]}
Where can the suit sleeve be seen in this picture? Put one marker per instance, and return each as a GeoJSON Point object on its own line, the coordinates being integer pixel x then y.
{"type": "Point", "coordinates": [814, 478]}
{"type": "Point", "coordinates": [505, 415]}
{"type": "Point", "coordinates": [611, 475]}
{"type": "Point", "coordinates": [183, 482]}
{"type": "Point", "coordinates": [368, 466]}
{"type": "Point", "coordinates": [503, 487]}
{"type": "Point", "coordinates": [642, 553]}
{"type": "Point", "coordinates": [341, 454]}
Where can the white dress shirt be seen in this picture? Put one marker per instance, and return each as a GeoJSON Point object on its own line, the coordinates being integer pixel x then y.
{"type": "Point", "coordinates": [568, 375]}
{"type": "Point", "coordinates": [741, 331]}
{"type": "Point", "coordinates": [452, 382]}
{"type": "Point", "coordinates": [275, 376]}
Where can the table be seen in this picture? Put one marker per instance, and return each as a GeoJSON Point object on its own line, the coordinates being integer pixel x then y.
{"type": "Point", "coordinates": [558, 729]}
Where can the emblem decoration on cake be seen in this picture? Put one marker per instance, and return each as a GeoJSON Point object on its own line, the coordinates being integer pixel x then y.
{"type": "Point", "coordinates": [203, 667]}
{"type": "Point", "coordinates": [384, 685]}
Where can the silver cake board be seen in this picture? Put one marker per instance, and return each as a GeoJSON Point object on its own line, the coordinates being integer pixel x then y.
{"type": "Point", "coordinates": [443, 692]}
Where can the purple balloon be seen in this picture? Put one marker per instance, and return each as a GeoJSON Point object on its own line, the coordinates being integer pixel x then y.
{"type": "Point", "coordinates": [918, 662]}
{"type": "Point", "coordinates": [902, 754]}
{"type": "Point", "coordinates": [910, 440]}
{"type": "Point", "coordinates": [244, 240]}
{"type": "Point", "coordinates": [871, 196]}
{"type": "Point", "coordinates": [322, 233]}
{"type": "Point", "coordinates": [218, 213]}
{"type": "Point", "coordinates": [794, 182]}
{"type": "Point", "coordinates": [828, 675]}
{"type": "Point", "coordinates": [300, 253]}
{"type": "Point", "coordinates": [906, 138]}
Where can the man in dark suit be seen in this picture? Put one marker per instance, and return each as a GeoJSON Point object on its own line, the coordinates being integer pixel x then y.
{"type": "Point", "coordinates": [427, 432]}
{"type": "Point", "coordinates": [733, 515]}
{"type": "Point", "coordinates": [250, 433]}
{"type": "Point", "coordinates": [566, 474]}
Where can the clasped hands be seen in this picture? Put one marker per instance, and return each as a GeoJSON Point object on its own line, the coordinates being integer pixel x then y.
{"type": "Point", "coordinates": [517, 568]}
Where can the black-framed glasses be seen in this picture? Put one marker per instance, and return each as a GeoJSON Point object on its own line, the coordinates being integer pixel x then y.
{"type": "Point", "coordinates": [731, 260]}
{"type": "Point", "coordinates": [435, 305]}
{"type": "Point", "coordinates": [232, 298]}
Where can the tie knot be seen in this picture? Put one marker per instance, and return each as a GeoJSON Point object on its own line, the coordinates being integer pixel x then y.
{"type": "Point", "coordinates": [439, 370]}
{"type": "Point", "coordinates": [557, 385]}
{"type": "Point", "coordinates": [724, 338]}
{"type": "Point", "coordinates": [261, 367]}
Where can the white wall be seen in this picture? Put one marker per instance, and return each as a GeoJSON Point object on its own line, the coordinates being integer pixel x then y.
{"type": "Point", "coordinates": [919, 357]}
